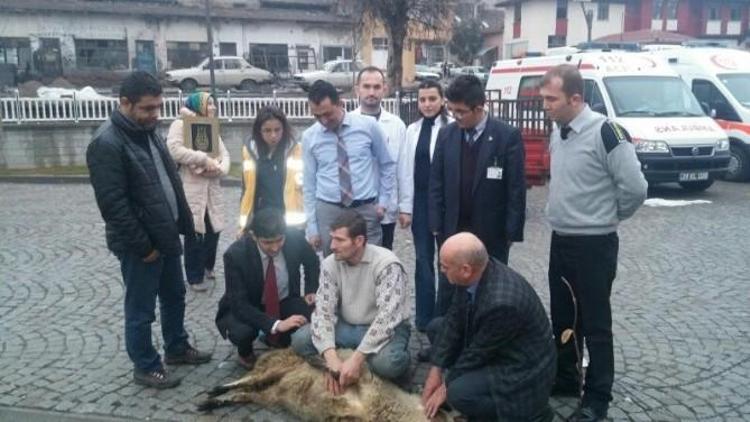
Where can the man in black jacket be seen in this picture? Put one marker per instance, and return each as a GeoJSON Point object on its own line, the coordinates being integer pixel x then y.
{"type": "Point", "coordinates": [477, 179]}
{"type": "Point", "coordinates": [263, 292]}
{"type": "Point", "coordinates": [495, 341]}
{"type": "Point", "coordinates": [140, 197]}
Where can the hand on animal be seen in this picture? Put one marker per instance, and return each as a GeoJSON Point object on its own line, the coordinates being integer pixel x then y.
{"type": "Point", "coordinates": [310, 298]}
{"type": "Point", "coordinates": [332, 384]}
{"type": "Point", "coordinates": [351, 369]}
{"type": "Point", "coordinates": [433, 382]}
{"type": "Point", "coordinates": [294, 321]}
{"type": "Point", "coordinates": [404, 219]}
{"type": "Point", "coordinates": [314, 241]}
{"type": "Point", "coordinates": [435, 401]}
{"type": "Point", "coordinates": [153, 256]}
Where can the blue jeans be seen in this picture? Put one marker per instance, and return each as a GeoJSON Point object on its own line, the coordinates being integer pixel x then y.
{"type": "Point", "coordinates": [391, 362]}
{"type": "Point", "coordinates": [424, 274]}
{"type": "Point", "coordinates": [200, 253]}
{"type": "Point", "coordinates": [143, 283]}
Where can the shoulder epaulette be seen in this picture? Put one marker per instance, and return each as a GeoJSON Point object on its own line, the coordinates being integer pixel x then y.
{"type": "Point", "coordinates": [613, 135]}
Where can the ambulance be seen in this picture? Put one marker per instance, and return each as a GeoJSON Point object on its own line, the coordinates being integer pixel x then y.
{"type": "Point", "coordinates": [674, 138]}
{"type": "Point", "coordinates": [720, 80]}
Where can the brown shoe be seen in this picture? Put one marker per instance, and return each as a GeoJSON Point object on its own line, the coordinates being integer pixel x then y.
{"type": "Point", "coordinates": [158, 378]}
{"type": "Point", "coordinates": [189, 357]}
{"type": "Point", "coordinates": [247, 362]}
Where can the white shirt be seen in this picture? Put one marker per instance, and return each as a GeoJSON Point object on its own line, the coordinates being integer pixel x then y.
{"type": "Point", "coordinates": [395, 133]}
{"type": "Point", "coordinates": [405, 169]}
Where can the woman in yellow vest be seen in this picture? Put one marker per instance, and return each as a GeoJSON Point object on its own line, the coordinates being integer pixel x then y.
{"type": "Point", "coordinates": [271, 169]}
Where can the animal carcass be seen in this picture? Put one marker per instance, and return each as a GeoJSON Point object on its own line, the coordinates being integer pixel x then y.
{"type": "Point", "coordinates": [282, 378]}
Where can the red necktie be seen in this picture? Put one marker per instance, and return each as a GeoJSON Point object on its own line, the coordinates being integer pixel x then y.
{"type": "Point", "coordinates": [271, 298]}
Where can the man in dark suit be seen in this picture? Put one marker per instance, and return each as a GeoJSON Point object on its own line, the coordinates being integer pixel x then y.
{"type": "Point", "coordinates": [495, 341]}
{"type": "Point", "coordinates": [477, 180]}
{"type": "Point", "coordinates": [263, 293]}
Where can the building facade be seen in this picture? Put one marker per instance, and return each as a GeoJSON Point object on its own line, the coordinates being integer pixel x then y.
{"type": "Point", "coordinates": [52, 38]}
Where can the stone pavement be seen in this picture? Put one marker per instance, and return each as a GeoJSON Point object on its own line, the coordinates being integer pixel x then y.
{"type": "Point", "coordinates": [681, 318]}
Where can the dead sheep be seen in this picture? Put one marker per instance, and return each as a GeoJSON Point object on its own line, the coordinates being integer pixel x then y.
{"type": "Point", "coordinates": [282, 378]}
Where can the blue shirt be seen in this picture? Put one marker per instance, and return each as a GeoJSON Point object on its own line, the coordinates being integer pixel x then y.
{"type": "Point", "coordinates": [368, 158]}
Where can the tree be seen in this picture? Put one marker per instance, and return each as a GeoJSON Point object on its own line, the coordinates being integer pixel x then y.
{"type": "Point", "coordinates": [466, 41]}
{"type": "Point", "coordinates": [397, 18]}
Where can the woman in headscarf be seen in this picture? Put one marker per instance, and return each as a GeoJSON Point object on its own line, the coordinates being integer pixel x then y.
{"type": "Point", "coordinates": [201, 175]}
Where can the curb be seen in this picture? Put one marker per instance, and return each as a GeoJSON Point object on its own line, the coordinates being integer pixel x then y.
{"type": "Point", "coordinates": [81, 180]}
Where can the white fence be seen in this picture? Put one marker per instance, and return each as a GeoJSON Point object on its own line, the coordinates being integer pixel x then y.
{"type": "Point", "coordinates": [36, 110]}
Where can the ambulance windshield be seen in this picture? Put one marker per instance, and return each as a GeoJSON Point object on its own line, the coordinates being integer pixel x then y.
{"type": "Point", "coordinates": [739, 85]}
{"type": "Point", "coordinates": [651, 96]}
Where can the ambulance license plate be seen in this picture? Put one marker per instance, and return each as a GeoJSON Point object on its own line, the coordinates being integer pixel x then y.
{"type": "Point", "coordinates": [693, 176]}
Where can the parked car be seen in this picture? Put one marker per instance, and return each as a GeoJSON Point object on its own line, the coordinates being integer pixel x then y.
{"type": "Point", "coordinates": [229, 71]}
{"type": "Point", "coordinates": [477, 71]}
{"type": "Point", "coordinates": [340, 73]}
{"type": "Point", "coordinates": [423, 72]}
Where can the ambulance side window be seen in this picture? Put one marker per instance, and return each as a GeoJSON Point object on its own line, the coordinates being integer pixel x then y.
{"type": "Point", "coordinates": [528, 88]}
{"type": "Point", "coordinates": [709, 96]}
{"type": "Point", "coordinates": [593, 96]}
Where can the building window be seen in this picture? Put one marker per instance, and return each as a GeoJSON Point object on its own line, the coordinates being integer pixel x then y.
{"type": "Point", "coordinates": [562, 9]}
{"type": "Point", "coordinates": [657, 7]}
{"type": "Point", "coordinates": [555, 41]}
{"type": "Point", "coordinates": [517, 12]}
{"type": "Point", "coordinates": [185, 54]}
{"type": "Point", "coordinates": [227, 49]}
{"type": "Point", "coordinates": [336, 52]}
{"type": "Point", "coordinates": [272, 57]}
{"type": "Point", "coordinates": [713, 13]}
{"type": "Point", "coordinates": [602, 11]}
{"type": "Point", "coordinates": [16, 51]}
{"type": "Point", "coordinates": [735, 14]}
{"type": "Point", "coordinates": [101, 54]}
{"type": "Point", "coordinates": [672, 9]}
{"type": "Point", "coordinates": [380, 43]}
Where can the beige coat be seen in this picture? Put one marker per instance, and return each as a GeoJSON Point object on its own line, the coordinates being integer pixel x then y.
{"type": "Point", "coordinates": [203, 192]}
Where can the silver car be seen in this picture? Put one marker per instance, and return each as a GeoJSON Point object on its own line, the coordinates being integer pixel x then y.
{"type": "Point", "coordinates": [229, 71]}
{"type": "Point", "coordinates": [340, 73]}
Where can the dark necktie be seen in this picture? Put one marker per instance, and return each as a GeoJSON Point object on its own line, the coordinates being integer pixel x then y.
{"type": "Point", "coordinates": [564, 131]}
{"type": "Point", "coordinates": [345, 177]}
{"type": "Point", "coordinates": [470, 133]}
{"type": "Point", "coordinates": [271, 298]}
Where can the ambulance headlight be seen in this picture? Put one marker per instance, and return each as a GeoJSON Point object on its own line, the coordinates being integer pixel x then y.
{"type": "Point", "coordinates": [646, 146]}
{"type": "Point", "coordinates": [722, 145]}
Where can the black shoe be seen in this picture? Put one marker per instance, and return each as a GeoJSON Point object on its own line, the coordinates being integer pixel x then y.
{"type": "Point", "coordinates": [158, 378]}
{"type": "Point", "coordinates": [565, 389]}
{"type": "Point", "coordinates": [424, 354]}
{"type": "Point", "coordinates": [189, 357]}
{"type": "Point", "coordinates": [247, 362]}
{"type": "Point", "coordinates": [587, 414]}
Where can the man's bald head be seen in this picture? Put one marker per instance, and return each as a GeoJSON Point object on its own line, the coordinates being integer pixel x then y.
{"type": "Point", "coordinates": [463, 258]}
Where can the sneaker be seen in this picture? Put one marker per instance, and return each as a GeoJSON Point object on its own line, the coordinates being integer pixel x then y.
{"type": "Point", "coordinates": [588, 414]}
{"type": "Point", "coordinates": [158, 378]}
{"type": "Point", "coordinates": [201, 286]}
{"type": "Point", "coordinates": [190, 357]}
{"type": "Point", "coordinates": [247, 362]}
{"type": "Point", "coordinates": [210, 274]}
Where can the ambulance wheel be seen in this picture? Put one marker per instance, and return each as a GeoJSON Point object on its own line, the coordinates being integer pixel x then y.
{"type": "Point", "coordinates": [739, 163]}
{"type": "Point", "coordinates": [698, 186]}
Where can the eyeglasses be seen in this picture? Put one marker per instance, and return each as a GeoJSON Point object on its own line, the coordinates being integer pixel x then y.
{"type": "Point", "coordinates": [460, 113]}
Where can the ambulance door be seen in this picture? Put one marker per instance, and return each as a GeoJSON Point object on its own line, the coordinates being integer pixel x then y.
{"type": "Point", "coordinates": [592, 96]}
{"type": "Point", "coordinates": [713, 101]}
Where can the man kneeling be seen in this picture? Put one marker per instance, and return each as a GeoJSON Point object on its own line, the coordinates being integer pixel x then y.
{"type": "Point", "coordinates": [362, 304]}
{"type": "Point", "coordinates": [262, 272]}
{"type": "Point", "coordinates": [495, 341]}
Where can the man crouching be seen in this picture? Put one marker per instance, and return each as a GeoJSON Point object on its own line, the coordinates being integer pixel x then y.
{"type": "Point", "coordinates": [495, 341]}
{"type": "Point", "coordinates": [361, 304]}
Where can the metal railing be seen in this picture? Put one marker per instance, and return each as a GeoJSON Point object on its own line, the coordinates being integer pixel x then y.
{"type": "Point", "coordinates": [22, 110]}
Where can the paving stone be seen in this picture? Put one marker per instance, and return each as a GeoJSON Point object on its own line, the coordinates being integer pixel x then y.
{"type": "Point", "coordinates": [679, 304]}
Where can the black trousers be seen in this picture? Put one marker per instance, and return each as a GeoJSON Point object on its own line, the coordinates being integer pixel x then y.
{"type": "Point", "coordinates": [589, 264]}
{"type": "Point", "coordinates": [243, 335]}
{"type": "Point", "coordinates": [388, 234]}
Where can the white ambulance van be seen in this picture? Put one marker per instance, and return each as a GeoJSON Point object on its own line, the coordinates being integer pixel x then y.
{"type": "Point", "coordinates": [720, 80]}
{"type": "Point", "coordinates": [674, 139]}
